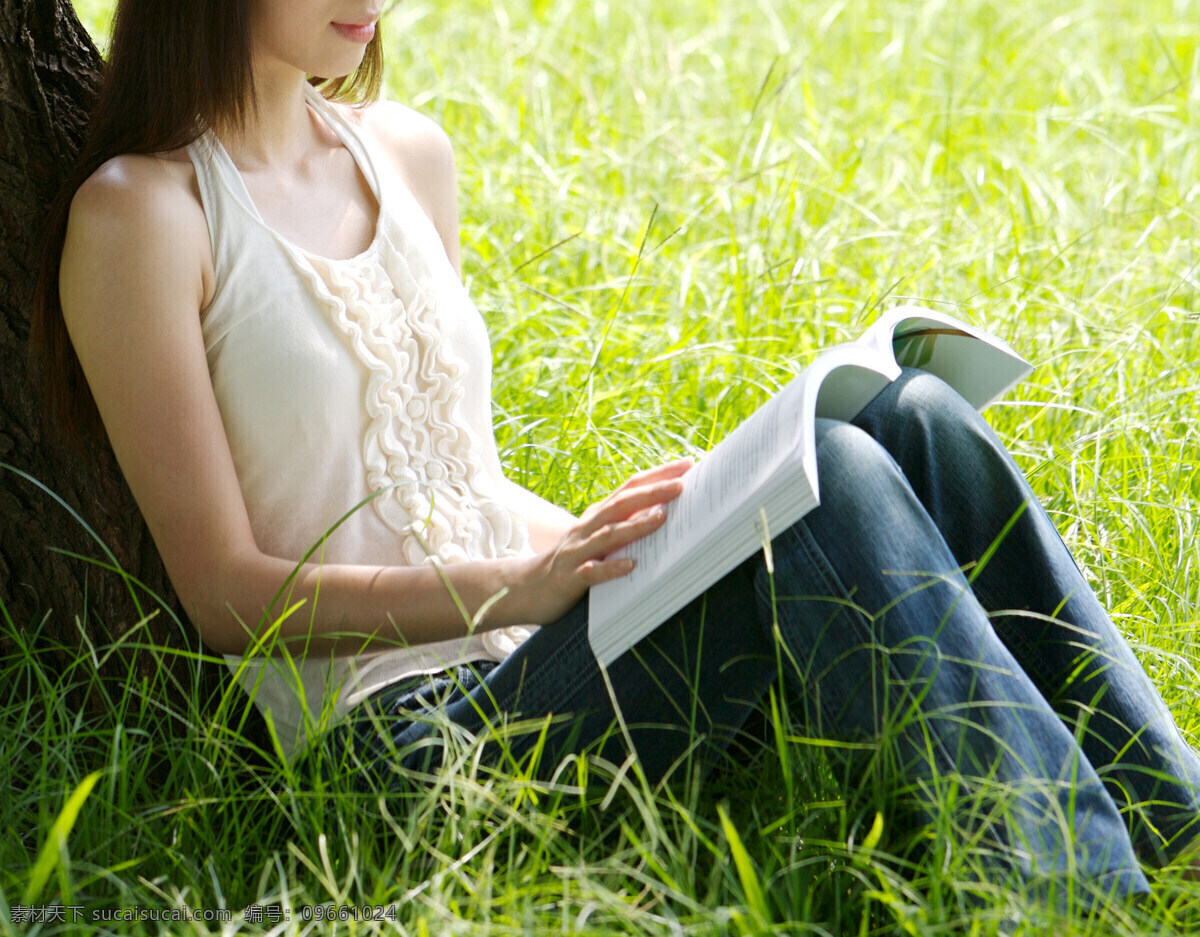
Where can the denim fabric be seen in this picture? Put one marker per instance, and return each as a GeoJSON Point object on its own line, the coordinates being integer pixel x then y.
{"type": "Point", "coordinates": [928, 606]}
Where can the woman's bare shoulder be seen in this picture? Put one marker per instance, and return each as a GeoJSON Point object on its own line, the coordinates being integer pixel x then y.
{"type": "Point", "coordinates": [145, 204]}
{"type": "Point", "coordinates": [414, 146]}
{"type": "Point", "coordinates": [140, 184]}
{"type": "Point", "coordinates": [411, 135]}
{"type": "Point", "coordinates": [417, 150]}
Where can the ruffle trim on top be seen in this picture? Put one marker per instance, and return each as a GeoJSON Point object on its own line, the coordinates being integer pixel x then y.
{"type": "Point", "coordinates": [419, 455]}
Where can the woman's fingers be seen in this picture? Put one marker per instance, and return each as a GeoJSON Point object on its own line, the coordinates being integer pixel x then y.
{"type": "Point", "coordinates": [657, 473]}
{"type": "Point", "coordinates": [642, 482]}
{"type": "Point", "coordinates": [589, 547]}
{"type": "Point", "coordinates": [611, 537]}
{"type": "Point", "coordinates": [623, 505]}
{"type": "Point", "coordinates": [631, 512]}
{"type": "Point", "coordinates": [594, 572]}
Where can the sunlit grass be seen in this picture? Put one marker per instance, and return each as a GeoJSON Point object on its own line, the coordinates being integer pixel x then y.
{"type": "Point", "coordinates": [667, 208]}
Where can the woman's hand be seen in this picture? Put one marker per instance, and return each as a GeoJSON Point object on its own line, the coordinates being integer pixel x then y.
{"type": "Point", "coordinates": [556, 579]}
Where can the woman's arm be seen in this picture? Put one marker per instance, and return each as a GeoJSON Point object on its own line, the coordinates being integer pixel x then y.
{"type": "Point", "coordinates": [136, 272]}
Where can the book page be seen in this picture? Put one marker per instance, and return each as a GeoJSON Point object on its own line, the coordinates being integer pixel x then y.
{"type": "Point", "coordinates": [979, 366]}
{"type": "Point", "coordinates": [849, 387]}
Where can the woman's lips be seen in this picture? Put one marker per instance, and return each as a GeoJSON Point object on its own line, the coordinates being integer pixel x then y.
{"type": "Point", "coordinates": [356, 32]}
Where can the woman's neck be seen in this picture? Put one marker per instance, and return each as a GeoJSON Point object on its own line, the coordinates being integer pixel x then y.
{"type": "Point", "coordinates": [278, 131]}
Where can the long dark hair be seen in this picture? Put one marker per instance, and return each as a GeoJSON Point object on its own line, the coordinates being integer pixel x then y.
{"type": "Point", "coordinates": [174, 70]}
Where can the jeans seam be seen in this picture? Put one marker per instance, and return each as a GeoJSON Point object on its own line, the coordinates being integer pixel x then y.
{"type": "Point", "coordinates": [808, 546]}
{"type": "Point", "coordinates": [833, 586]}
{"type": "Point", "coordinates": [1016, 636]}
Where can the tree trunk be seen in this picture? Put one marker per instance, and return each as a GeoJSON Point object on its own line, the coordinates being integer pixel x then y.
{"type": "Point", "coordinates": [67, 608]}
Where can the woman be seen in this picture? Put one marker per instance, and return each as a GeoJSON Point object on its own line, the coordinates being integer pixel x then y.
{"type": "Point", "coordinates": [262, 290]}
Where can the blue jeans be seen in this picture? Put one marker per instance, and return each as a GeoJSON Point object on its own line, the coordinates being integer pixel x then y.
{"type": "Point", "coordinates": [928, 605]}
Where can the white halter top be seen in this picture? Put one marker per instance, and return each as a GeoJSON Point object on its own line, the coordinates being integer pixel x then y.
{"type": "Point", "coordinates": [341, 381]}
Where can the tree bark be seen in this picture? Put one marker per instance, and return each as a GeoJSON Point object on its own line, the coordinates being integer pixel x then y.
{"type": "Point", "coordinates": [68, 609]}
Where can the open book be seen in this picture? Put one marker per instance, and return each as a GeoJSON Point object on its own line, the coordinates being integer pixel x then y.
{"type": "Point", "coordinates": [766, 469]}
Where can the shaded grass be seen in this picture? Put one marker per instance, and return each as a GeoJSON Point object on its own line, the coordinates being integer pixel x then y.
{"type": "Point", "coordinates": [667, 209]}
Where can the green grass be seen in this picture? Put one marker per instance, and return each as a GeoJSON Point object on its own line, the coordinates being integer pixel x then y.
{"type": "Point", "coordinates": [668, 208]}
